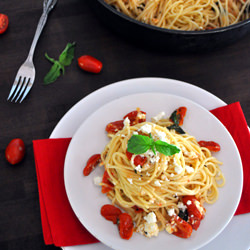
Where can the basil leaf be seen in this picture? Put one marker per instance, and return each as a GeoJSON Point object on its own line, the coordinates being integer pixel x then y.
{"type": "Point", "coordinates": [58, 67]}
{"type": "Point", "coordinates": [175, 118]}
{"type": "Point", "coordinates": [177, 128]}
{"type": "Point", "coordinates": [166, 148]}
{"type": "Point", "coordinates": [139, 144]}
{"type": "Point", "coordinates": [54, 73]}
{"type": "Point", "coordinates": [67, 55]}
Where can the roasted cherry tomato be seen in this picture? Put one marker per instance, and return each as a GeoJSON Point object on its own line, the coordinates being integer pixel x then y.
{"type": "Point", "coordinates": [181, 228]}
{"type": "Point", "coordinates": [137, 209]}
{"type": "Point", "coordinates": [110, 212]}
{"type": "Point", "coordinates": [114, 127]}
{"type": "Point", "coordinates": [136, 117]}
{"type": "Point", "coordinates": [196, 211]}
{"type": "Point", "coordinates": [108, 185]}
{"type": "Point", "coordinates": [4, 23]}
{"type": "Point", "coordinates": [211, 145]}
{"type": "Point", "coordinates": [15, 151]}
{"type": "Point", "coordinates": [126, 226]}
{"type": "Point", "coordinates": [92, 162]}
{"type": "Point", "coordinates": [90, 64]}
{"type": "Point", "coordinates": [138, 160]}
{"type": "Point", "coordinates": [177, 117]}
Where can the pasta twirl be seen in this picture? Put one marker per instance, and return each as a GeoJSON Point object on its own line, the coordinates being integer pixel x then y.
{"type": "Point", "coordinates": [160, 183]}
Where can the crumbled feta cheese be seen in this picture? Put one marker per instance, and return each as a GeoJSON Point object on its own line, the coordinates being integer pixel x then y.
{"type": "Point", "coordinates": [161, 135]}
{"type": "Point", "coordinates": [126, 122]}
{"type": "Point", "coordinates": [157, 183]}
{"type": "Point", "coordinates": [135, 133]}
{"type": "Point", "coordinates": [153, 158]}
{"type": "Point", "coordinates": [172, 174]}
{"type": "Point", "coordinates": [97, 180]}
{"type": "Point", "coordinates": [147, 174]}
{"type": "Point", "coordinates": [150, 217]}
{"type": "Point", "coordinates": [138, 168]}
{"type": "Point", "coordinates": [200, 208]}
{"type": "Point", "coordinates": [158, 117]}
{"type": "Point", "coordinates": [171, 212]}
{"type": "Point", "coordinates": [147, 128]}
{"type": "Point", "coordinates": [178, 168]}
{"type": "Point", "coordinates": [189, 169]}
{"type": "Point", "coordinates": [189, 202]}
{"type": "Point", "coordinates": [151, 229]}
{"type": "Point", "coordinates": [130, 180]}
{"type": "Point", "coordinates": [181, 206]}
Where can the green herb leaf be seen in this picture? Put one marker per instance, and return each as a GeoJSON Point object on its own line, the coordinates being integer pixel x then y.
{"type": "Point", "coordinates": [58, 66]}
{"type": "Point", "coordinates": [139, 144]}
{"type": "Point", "coordinates": [177, 128]}
{"type": "Point", "coordinates": [175, 118]}
{"type": "Point", "coordinates": [166, 148]}
{"type": "Point", "coordinates": [67, 55]}
{"type": "Point", "coordinates": [54, 73]}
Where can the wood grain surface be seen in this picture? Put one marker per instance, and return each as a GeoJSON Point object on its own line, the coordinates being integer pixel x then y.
{"type": "Point", "coordinates": [224, 72]}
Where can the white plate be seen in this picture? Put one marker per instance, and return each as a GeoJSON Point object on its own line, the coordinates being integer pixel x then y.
{"type": "Point", "coordinates": [86, 199]}
{"type": "Point", "coordinates": [229, 239]}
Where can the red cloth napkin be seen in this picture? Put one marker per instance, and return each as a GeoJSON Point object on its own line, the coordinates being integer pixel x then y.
{"type": "Point", "coordinates": [234, 120]}
{"type": "Point", "coordinates": [60, 225]}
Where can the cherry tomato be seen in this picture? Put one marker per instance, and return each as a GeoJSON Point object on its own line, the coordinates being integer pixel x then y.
{"type": "Point", "coordinates": [126, 226]}
{"type": "Point", "coordinates": [195, 211]}
{"type": "Point", "coordinates": [110, 212]}
{"type": "Point", "coordinates": [177, 117]}
{"type": "Point", "coordinates": [181, 112]}
{"type": "Point", "coordinates": [183, 229]}
{"type": "Point", "coordinates": [90, 64]}
{"type": "Point", "coordinates": [137, 209]}
{"type": "Point", "coordinates": [114, 127]}
{"type": "Point", "coordinates": [92, 162]}
{"type": "Point", "coordinates": [211, 145]}
{"type": "Point", "coordinates": [15, 151]}
{"type": "Point", "coordinates": [138, 160]}
{"type": "Point", "coordinates": [108, 184]}
{"type": "Point", "coordinates": [136, 117]}
{"type": "Point", "coordinates": [4, 23]}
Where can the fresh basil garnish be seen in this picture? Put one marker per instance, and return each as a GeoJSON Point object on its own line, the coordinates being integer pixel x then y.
{"type": "Point", "coordinates": [139, 144]}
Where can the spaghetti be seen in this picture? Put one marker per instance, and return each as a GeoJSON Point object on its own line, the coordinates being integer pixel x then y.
{"type": "Point", "coordinates": [185, 15]}
{"type": "Point", "coordinates": [159, 189]}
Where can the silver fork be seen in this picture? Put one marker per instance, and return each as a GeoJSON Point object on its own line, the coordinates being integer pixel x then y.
{"type": "Point", "coordinates": [26, 74]}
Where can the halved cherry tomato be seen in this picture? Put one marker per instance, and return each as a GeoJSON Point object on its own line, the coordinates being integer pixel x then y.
{"type": "Point", "coordinates": [92, 162]}
{"type": "Point", "coordinates": [138, 160]}
{"type": "Point", "coordinates": [195, 211]}
{"type": "Point", "coordinates": [183, 229]}
{"type": "Point", "coordinates": [114, 127]}
{"type": "Point", "coordinates": [110, 212]}
{"type": "Point", "coordinates": [136, 117]}
{"type": "Point", "coordinates": [126, 226]}
{"type": "Point", "coordinates": [4, 23]}
{"type": "Point", "coordinates": [211, 145]}
{"type": "Point", "coordinates": [177, 117]}
{"type": "Point", "coordinates": [137, 209]}
{"type": "Point", "coordinates": [108, 184]}
{"type": "Point", "coordinates": [15, 151]}
{"type": "Point", "coordinates": [90, 64]}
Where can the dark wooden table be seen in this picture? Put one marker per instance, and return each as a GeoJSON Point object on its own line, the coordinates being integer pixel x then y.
{"type": "Point", "coordinates": [225, 73]}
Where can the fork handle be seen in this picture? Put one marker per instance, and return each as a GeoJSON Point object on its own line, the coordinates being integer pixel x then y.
{"type": "Point", "coordinates": [48, 6]}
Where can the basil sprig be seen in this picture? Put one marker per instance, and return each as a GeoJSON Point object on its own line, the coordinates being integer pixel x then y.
{"type": "Point", "coordinates": [58, 66]}
{"type": "Point", "coordinates": [139, 144]}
